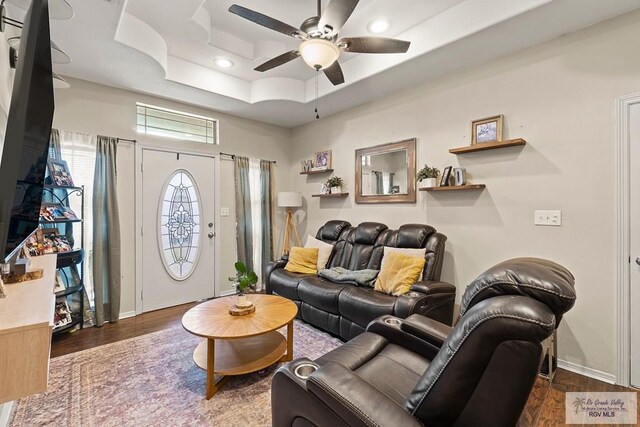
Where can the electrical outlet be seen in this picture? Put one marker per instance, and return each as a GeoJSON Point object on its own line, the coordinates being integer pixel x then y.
{"type": "Point", "coordinates": [224, 211]}
{"type": "Point", "coordinates": [550, 218]}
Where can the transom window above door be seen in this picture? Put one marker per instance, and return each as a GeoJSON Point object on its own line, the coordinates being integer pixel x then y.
{"type": "Point", "coordinates": [159, 121]}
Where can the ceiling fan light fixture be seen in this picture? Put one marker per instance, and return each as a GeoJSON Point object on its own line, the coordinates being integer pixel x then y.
{"type": "Point", "coordinates": [59, 82]}
{"type": "Point", "coordinates": [223, 62]}
{"type": "Point", "coordinates": [379, 25]}
{"type": "Point", "coordinates": [58, 56]}
{"type": "Point", "coordinates": [319, 53]}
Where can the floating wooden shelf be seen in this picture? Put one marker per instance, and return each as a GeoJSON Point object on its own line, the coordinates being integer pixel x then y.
{"type": "Point", "coordinates": [456, 188]}
{"type": "Point", "coordinates": [316, 172]}
{"type": "Point", "coordinates": [488, 146]}
{"type": "Point", "coordinates": [333, 195]}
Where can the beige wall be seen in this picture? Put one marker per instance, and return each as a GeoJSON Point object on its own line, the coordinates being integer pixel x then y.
{"type": "Point", "coordinates": [95, 109]}
{"type": "Point", "coordinates": [560, 98]}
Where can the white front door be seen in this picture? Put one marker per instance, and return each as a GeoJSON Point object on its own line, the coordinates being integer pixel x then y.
{"type": "Point", "coordinates": [178, 237]}
{"type": "Point", "coordinates": [634, 126]}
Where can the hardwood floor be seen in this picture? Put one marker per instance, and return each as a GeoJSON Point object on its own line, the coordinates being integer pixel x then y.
{"type": "Point", "coordinates": [111, 332]}
{"type": "Point", "coordinates": [545, 407]}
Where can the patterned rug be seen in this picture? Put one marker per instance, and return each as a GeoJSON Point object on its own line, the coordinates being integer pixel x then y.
{"type": "Point", "coordinates": [152, 380]}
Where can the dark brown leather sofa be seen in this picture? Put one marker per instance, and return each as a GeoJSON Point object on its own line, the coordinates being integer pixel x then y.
{"type": "Point", "coordinates": [345, 310]}
{"type": "Point", "coordinates": [418, 371]}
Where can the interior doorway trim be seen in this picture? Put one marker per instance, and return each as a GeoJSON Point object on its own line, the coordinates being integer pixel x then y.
{"type": "Point", "coordinates": [623, 241]}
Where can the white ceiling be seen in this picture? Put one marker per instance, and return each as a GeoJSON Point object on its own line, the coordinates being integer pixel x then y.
{"type": "Point", "coordinates": [167, 48]}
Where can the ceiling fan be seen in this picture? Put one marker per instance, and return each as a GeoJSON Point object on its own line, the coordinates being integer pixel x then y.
{"type": "Point", "coordinates": [320, 47]}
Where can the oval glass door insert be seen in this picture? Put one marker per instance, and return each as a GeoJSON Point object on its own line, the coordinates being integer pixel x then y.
{"type": "Point", "coordinates": [179, 225]}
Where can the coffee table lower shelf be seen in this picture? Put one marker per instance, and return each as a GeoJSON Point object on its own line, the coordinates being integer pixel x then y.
{"type": "Point", "coordinates": [239, 356]}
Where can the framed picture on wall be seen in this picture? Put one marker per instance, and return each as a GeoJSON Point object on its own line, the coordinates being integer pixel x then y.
{"type": "Point", "coordinates": [322, 160]}
{"type": "Point", "coordinates": [486, 130]}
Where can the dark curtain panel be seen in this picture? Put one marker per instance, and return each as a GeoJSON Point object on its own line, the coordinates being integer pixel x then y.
{"type": "Point", "coordinates": [379, 182]}
{"type": "Point", "coordinates": [244, 230]}
{"type": "Point", "coordinates": [266, 214]}
{"type": "Point", "coordinates": [106, 233]}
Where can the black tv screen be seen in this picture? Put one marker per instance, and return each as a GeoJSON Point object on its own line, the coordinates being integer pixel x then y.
{"type": "Point", "coordinates": [26, 140]}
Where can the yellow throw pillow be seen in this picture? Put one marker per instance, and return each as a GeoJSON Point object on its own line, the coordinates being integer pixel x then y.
{"type": "Point", "coordinates": [398, 273]}
{"type": "Point", "coordinates": [303, 260]}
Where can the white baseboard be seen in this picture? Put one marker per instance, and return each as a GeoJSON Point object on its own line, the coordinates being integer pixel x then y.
{"type": "Point", "coordinates": [227, 293]}
{"type": "Point", "coordinates": [5, 413]}
{"type": "Point", "coordinates": [125, 315]}
{"type": "Point", "coordinates": [587, 372]}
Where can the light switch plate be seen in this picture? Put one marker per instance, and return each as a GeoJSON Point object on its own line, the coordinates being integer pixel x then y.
{"type": "Point", "coordinates": [548, 217]}
{"type": "Point", "coordinates": [224, 211]}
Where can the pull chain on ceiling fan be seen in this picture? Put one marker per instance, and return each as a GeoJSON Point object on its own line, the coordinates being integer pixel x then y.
{"type": "Point", "coordinates": [320, 47]}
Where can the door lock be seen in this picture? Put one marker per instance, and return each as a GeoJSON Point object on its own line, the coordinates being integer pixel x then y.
{"type": "Point", "coordinates": [638, 260]}
{"type": "Point", "coordinates": [210, 225]}
{"type": "Point", "coordinates": [211, 234]}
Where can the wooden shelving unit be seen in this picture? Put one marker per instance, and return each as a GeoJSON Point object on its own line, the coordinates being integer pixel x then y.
{"type": "Point", "coordinates": [456, 188]}
{"type": "Point", "coordinates": [488, 146]}
{"type": "Point", "coordinates": [316, 172]}
{"type": "Point", "coordinates": [330, 196]}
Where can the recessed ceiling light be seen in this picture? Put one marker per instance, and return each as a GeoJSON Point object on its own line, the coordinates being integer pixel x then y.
{"type": "Point", "coordinates": [223, 62]}
{"type": "Point", "coordinates": [379, 25]}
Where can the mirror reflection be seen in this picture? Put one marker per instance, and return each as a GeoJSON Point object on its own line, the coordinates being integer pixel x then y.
{"type": "Point", "coordinates": [385, 173]}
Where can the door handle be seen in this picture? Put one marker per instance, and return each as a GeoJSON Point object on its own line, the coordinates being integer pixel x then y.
{"type": "Point", "coordinates": [211, 234]}
{"type": "Point", "coordinates": [638, 260]}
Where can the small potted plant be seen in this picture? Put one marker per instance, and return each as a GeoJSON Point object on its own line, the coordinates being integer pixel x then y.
{"type": "Point", "coordinates": [429, 176]}
{"type": "Point", "coordinates": [335, 183]}
{"type": "Point", "coordinates": [244, 279]}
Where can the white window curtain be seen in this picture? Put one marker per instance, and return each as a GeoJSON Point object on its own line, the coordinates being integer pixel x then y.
{"type": "Point", "coordinates": [79, 151]}
{"type": "Point", "coordinates": [256, 220]}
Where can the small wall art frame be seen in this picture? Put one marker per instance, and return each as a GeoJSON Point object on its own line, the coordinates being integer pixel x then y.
{"type": "Point", "coordinates": [445, 177]}
{"type": "Point", "coordinates": [487, 130]}
{"type": "Point", "coordinates": [322, 160]}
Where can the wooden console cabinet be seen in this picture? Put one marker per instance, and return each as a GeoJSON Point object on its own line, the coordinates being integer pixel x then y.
{"type": "Point", "coordinates": [26, 321]}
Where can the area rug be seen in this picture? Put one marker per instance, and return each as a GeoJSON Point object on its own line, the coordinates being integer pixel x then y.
{"type": "Point", "coordinates": [152, 380]}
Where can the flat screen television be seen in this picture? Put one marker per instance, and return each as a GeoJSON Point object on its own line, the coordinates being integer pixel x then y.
{"type": "Point", "coordinates": [26, 140]}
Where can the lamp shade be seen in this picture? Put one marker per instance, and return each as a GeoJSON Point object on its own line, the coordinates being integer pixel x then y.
{"type": "Point", "coordinates": [289, 199]}
{"type": "Point", "coordinates": [319, 53]}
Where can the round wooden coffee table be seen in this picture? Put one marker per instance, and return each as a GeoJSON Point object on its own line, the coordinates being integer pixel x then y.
{"type": "Point", "coordinates": [236, 345]}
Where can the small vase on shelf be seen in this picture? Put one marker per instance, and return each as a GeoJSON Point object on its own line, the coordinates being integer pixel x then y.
{"type": "Point", "coordinates": [428, 183]}
{"type": "Point", "coordinates": [428, 177]}
{"type": "Point", "coordinates": [334, 184]}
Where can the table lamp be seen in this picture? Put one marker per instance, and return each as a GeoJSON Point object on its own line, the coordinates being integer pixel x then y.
{"type": "Point", "coordinates": [289, 200]}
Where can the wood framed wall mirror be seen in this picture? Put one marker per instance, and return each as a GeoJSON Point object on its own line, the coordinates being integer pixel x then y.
{"type": "Point", "coordinates": [387, 173]}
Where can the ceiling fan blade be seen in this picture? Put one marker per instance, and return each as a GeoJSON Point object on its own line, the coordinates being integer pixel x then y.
{"type": "Point", "coordinates": [373, 45]}
{"type": "Point", "coordinates": [336, 14]}
{"type": "Point", "coordinates": [266, 21]}
{"type": "Point", "coordinates": [278, 60]}
{"type": "Point", "coordinates": [334, 74]}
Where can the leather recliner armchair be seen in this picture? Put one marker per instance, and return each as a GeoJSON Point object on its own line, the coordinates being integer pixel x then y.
{"type": "Point", "coordinates": [418, 371]}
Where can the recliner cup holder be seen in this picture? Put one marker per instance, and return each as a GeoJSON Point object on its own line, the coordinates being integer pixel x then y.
{"type": "Point", "coordinates": [393, 321]}
{"type": "Point", "coordinates": [304, 370]}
